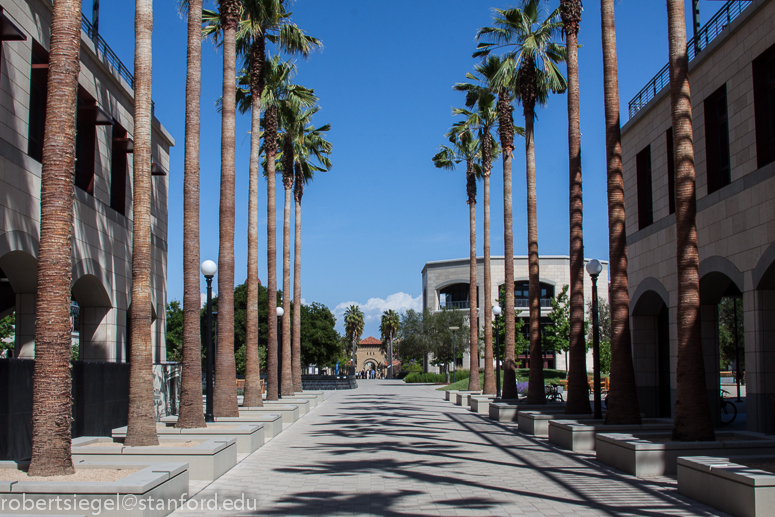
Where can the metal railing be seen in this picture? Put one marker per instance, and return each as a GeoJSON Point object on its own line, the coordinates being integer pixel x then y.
{"type": "Point", "coordinates": [708, 33]}
{"type": "Point", "coordinates": [457, 305]}
{"type": "Point", "coordinates": [523, 303]}
{"type": "Point", "coordinates": [102, 46]}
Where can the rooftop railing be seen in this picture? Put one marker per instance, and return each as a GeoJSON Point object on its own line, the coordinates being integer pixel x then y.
{"type": "Point", "coordinates": [708, 33]}
{"type": "Point", "coordinates": [102, 47]}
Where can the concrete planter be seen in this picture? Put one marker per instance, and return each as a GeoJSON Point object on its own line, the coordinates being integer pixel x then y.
{"type": "Point", "coordinates": [480, 403]}
{"type": "Point", "coordinates": [727, 486]}
{"type": "Point", "coordinates": [506, 410]}
{"type": "Point", "coordinates": [580, 435]}
{"type": "Point", "coordinates": [272, 422]}
{"type": "Point", "coordinates": [449, 394]}
{"type": "Point", "coordinates": [461, 397]}
{"type": "Point", "coordinates": [318, 394]}
{"type": "Point", "coordinates": [249, 436]}
{"type": "Point", "coordinates": [159, 481]}
{"type": "Point", "coordinates": [207, 461]}
{"type": "Point", "coordinates": [642, 455]}
{"type": "Point", "coordinates": [537, 422]}
{"type": "Point", "coordinates": [304, 404]}
{"type": "Point", "coordinates": [312, 399]}
{"type": "Point", "coordinates": [288, 412]}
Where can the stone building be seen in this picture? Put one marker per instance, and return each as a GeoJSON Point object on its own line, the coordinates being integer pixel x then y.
{"type": "Point", "coordinates": [102, 232]}
{"type": "Point", "coordinates": [732, 77]}
{"type": "Point", "coordinates": [445, 283]}
{"type": "Point", "coordinates": [371, 355]}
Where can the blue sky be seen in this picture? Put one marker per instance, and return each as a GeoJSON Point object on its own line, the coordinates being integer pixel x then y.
{"type": "Point", "coordinates": [385, 82]}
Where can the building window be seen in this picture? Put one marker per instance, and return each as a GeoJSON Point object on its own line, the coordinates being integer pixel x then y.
{"type": "Point", "coordinates": [670, 172]}
{"type": "Point", "coordinates": [38, 93]}
{"type": "Point", "coordinates": [85, 136]}
{"type": "Point", "coordinates": [717, 140]}
{"type": "Point", "coordinates": [122, 145]}
{"type": "Point", "coordinates": [764, 104]}
{"type": "Point", "coordinates": [645, 204]}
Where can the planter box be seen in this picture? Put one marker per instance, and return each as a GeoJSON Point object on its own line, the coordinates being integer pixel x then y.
{"type": "Point", "coordinates": [642, 455]}
{"type": "Point", "coordinates": [480, 403]}
{"type": "Point", "coordinates": [537, 422]}
{"type": "Point", "coordinates": [449, 394]}
{"type": "Point", "coordinates": [272, 422]}
{"type": "Point", "coordinates": [578, 435]}
{"type": "Point", "coordinates": [304, 404]}
{"type": "Point", "coordinates": [207, 461]}
{"type": "Point", "coordinates": [727, 486]}
{"type": "Point", "coordinates": [159, 481]}
{"type": "Point", "coordinates": [313, 399]}
{"type": "Point", "coordinates": [319, 394]}
{"type": "Point", "coordinates": [461, 397]}
{"type": "Point", "coordinates": [288, 412]}
{"type": "Point", "coordinates": [249, 436]}
{"type": "Point", "coordinates": [506, 410]}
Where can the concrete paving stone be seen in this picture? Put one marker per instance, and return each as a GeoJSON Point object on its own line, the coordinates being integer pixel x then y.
{"type": "Point", "coordinates": [388, 448]}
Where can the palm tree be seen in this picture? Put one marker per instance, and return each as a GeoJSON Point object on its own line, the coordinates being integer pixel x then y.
{"type": "Point", "coordinates": [482, 116]}
{"type": "Point", "coordinates": [51, 387]}
{"type": "Point", "coordinates": [578, 393]}
{"type": "Point", "coordinates": [262, 19]}
{"type": "Point", "coordinates": [466, 148]}
{"type": "Point", "coordinates": [141, 421]}
{"type": "Point", "coordinates": [532, 64]}
{"type": "Point", "coordinates": [692, 413]}
{"type": "Point", "coordinates": [622, 406]}
{"type": "Point", "coordinates": [389, 328]}
{"type": "Point", "coordinates": [190, 414]}
{"type": "Point", "coordinates": [353, 328]}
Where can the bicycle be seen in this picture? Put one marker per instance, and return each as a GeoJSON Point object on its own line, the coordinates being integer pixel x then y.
{"type": "Point", "coordinates": [553, 393]}
{"type": "Point", "coordinates": [728, 409]}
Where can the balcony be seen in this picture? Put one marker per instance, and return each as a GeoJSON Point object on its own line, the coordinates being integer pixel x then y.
{"type": "Point", "coordinates": [523, 303]}
{"type": "Point", "coordinates": [456, 305]}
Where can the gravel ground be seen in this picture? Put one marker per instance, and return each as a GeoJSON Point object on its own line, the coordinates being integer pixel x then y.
{"type": "Point", "coordinates": [80, 475]}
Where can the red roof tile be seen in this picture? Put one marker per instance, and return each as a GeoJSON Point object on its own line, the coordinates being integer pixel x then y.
{"type": "Point", "coordinates": [370, 341]}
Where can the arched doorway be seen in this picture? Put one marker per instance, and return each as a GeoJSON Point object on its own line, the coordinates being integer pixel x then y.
{"type": "Point", "coordinates": [18, 288]}
{"type": "Point", "coordinates": [455, 296]}
{"type": "Point", "coordinates": [650, 327]}
{"type": "Point", "coordinates": [98, 333]}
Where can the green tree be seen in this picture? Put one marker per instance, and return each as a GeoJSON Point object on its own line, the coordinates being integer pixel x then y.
{"type": "Point", "coordinates": [445, 350]}
{"type": "Point", "coordinates": [174, 331]}
{"type": "Point", "coordinates": [520, 344]}
{"type": "Point", "coordinates": [353, 326]}
{"type": "Point", "coordinates": [413, 342]}
{"type": "Point", "coordinates": [320, 342]}
{"type": "Point", "coordinates": [556, 336]}
{"type": "Point", "coordinates": [389, 327]}
{"type": "Point", "coordinates": [7, 333]}
{"type": "Point", "coordinates": [726, 319]}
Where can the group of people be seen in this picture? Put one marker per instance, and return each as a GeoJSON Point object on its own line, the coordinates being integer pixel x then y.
{"type": "Point", "coordinates": [368, 374]}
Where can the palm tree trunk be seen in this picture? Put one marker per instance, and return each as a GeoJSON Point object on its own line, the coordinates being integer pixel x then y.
{"type": "Point", "coordinates": [253, 396]}
{"type": "Point", "coordinates": [225, 392]}
{"type": "Point", "coordinates": [141, 421]}
{"type": "Point", "coordinates": [622, 406]}
{"type": "Point", "coordinates": [270, 143]}
{"type": "Point", "coordinates": [51, 387]}
{"type": "Point", "coordinates": [578, 392]}
{"type": "Point", "coordinates": [191, 414]}
{"type": "Point", "coordinates": [489, 372]}
{"type": "Point", "coordinates": [535, 388]}
{"type": "Point", "coordinates": [692, 414]}
{"type": "Point", "coordinates": [473, 317]}
{"type": "Point", "coordinates": [296, 352]}
{"type": "Point", "coordinates": [287, 378]}
{"type": "Point", "coordinates": [506, 131]}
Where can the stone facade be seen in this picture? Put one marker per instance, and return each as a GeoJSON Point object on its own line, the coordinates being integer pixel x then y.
{"type": "Point", "coordinates": [370, 355]}
{"type": "Point", "coordinates": [438, 276]}
{"type": "Point", "coordinates": [102, 239]}
{"type": "Point", "coordinates": [735, 222]}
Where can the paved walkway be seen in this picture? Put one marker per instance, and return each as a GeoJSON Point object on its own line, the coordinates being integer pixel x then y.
{"type": "Point", "coordinates": [392, 449]}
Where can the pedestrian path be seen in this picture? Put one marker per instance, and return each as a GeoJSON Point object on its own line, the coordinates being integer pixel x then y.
{"type": "Point", "coordinates": [393, 449]}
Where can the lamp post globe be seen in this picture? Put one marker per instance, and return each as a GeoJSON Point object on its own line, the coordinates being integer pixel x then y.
{"type": "Point", "coordinates": [280, 312]}
{"type": "Point", "coordinates": [497, 310]}
{"type": "Point", "coordinates": [594, 267]}
{"type": "Point", "coordinates": [209, 268]}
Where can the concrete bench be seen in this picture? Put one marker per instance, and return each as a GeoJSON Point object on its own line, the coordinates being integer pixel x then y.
{"type": "Point", "coordinates": [461, 397]}
{"type": "Point", "coordinates": [505, 410]}
{"type": "Point", "coordinates": [272, 422]}
{"type": "Point", "coordinates": [578, 435]}
{"type": "Point", "coordinates": [249, 436]}
{"type": "Point", "coordinates": [480, 403]}
{"type": "Point", "coordinates": [288, 412]}
{"type": "Point", "coordinates": [536, 423]}
{"type": "Point", "coordinates": [304, 404]}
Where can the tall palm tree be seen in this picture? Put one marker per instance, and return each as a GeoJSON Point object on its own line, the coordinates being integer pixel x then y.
{"type": "Point", "coordinates": [692, 413]}
{"type": "Point", "coordinates": [51, 387]}
{"type": "Point", "coordinates": [622, 406]}
{"type": "Point", "coordinates": [141, 421]}
{"type": "Point", "coordinates": [262, 20]}
{"type": "Point", "coordinates": [578, 392]}
{"type": "Point", "coordinates": [531, 62]}
{"type": "Point", "coordinates": [466, 148]}
{"type": "Point", "coordinates": [191, 414]}
{"type": "Point", "coordinates": [389, 328]}
{"type": "Point", "coordinates": [483, 116]}
{"type": "Point", "coordinates": [353, 328]}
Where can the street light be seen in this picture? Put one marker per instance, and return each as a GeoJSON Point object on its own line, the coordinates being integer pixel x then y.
{"type": "Point", "coordinates": [209, 268]}
{"type": "Point", "coordinates": [454, 358]}
{"type": "Point", "coordinates": [497, 311]}
{"type": "Point", "coordinates": [594, 268]}
{"type": "Point", "coordinates": [280, 313]}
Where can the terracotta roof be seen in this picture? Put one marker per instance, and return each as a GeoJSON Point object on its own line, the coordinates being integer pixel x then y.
{"type": "Point", "coordinates": [370, 341]}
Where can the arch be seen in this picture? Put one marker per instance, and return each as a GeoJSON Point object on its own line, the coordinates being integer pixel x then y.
{"type": "Point", "coordinates": [21, 269]}
{"type": "Point", "coordinates": [92, 291]}
{"type": "Point", "coordinates": [649, 285]}
{"type": "Point", "coordinates": [718, 278]}
{"type": "Point", "coordinates": [527, 279]}
{"type": "Point", "coordinates": [439, 287]}
{"type": "Point", "coordinates": [763, 277]}
{"type": "Point", "coordinates": [717, 264]}
{"type": "Point", "coordinates": [370, 362]}
{"type": "Point", "coordinates": [18, 240]}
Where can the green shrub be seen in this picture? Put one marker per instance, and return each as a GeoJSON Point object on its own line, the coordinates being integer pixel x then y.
{"type": "Point", "coordinates": [435, 377]}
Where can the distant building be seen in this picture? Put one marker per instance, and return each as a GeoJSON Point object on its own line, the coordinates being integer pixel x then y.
{"type": "Point", "coordinates": [370, 355]}
{"type": "Point", "coordinates": [445, 283]}
{"type": "Point", "coordinates": [732, 81]}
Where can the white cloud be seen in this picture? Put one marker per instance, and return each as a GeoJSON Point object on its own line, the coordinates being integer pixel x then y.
{"type": "Point", "coordinates": [374, 307]}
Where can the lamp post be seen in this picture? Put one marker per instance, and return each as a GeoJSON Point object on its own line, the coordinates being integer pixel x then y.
{"type": "Point", "coordinates": [209, 268]}
{"type": "Point", "coordinates": [454, 357]}
{"type": "Point", "coordinates": [594, 268]}
{"type": "Point", "coordinates": [497, 311]}
{"type": "Point", "coordinates": [280, 313]}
